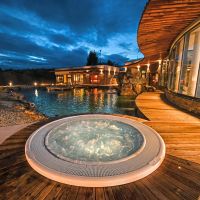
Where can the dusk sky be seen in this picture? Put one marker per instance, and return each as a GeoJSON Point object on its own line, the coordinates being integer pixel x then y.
{"type": "Point", "coordinates": [60, 33]}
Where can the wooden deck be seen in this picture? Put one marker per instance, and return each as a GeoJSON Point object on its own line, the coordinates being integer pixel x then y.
{"type": "Point", "coordinates": [180, 131]}
{"type": "Point", "coordinates": [177, 178]}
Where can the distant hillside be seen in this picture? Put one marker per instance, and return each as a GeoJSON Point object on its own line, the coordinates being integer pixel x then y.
{"type": "Point", "coordinates": [27, 77]}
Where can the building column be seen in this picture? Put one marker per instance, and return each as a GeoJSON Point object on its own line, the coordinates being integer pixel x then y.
{"type": "Point", "coordinates": [65, 78]}
{"type": "Point", "coordinates": [159, 70]}
{"type": "Point", "coordinates": [148, 74]}
{"type": "Point", "coordinates": [195, 65]}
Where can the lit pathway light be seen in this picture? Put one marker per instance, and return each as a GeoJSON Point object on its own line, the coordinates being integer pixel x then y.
{"type": "Point", "coordinates": [10, 84]}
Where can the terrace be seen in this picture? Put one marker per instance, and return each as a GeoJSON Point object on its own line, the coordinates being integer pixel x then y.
{"type": "Point", "coordinates": [178, 177]}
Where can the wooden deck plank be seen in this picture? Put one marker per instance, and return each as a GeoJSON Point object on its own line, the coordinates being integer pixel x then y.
{"type": "Point", "coordinates": [180, 130]}
{"type": "Point", "coordinates": [99, 194]}
{"type": "Point", "coordinates": [151, 104]}
{"type": "Point", "coordinates": [24, 184]}
{"type": "Point", "coordinates": [45, 191]}
{"type": "Point", "coordinates": [176, 178]}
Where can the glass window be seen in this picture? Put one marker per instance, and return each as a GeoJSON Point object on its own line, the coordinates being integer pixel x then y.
{"type": "Point", "coordinates": [198, 84]}
{"type": "Point", "coordinates": [60, 78]}
{"type": "Point", "coordinates": [187, 63]}
{"type": "Point", "coordinates": [177, 65]}
{"type": "Point", "coordinates": [184, 65]}
{"type": "Point", "coordinates": [81, 78]}
{"type": "Point", "coordinates": [191, 60]}
{"type": "Point", "coordinates": [171, 69]}
{"type": "Point", "coordinates": [193, 87]}
{"type": "Point", "coordinates": [164, 73]}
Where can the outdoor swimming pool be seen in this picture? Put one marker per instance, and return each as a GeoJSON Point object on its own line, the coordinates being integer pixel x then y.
{"type": "Point", "coordinates": [79, 100]}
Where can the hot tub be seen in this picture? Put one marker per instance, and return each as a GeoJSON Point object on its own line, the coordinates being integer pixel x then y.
{"type": "Point", "coordinates": [95, 150]}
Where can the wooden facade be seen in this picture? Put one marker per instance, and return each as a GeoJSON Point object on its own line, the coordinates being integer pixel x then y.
{"type": "Point", "coordinates": [162, 24]}
{"type": "Point", "coordinates": [162, 21]}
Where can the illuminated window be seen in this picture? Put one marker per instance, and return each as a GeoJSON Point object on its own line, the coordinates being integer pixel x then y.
{"type": "Point", "coordinates": [176, 65]}
{"type": "Point", "coordinates": [184, 65]}
{"type": "Point", "coordinates": [60, 78]}
{"type": "Point", "coordinates": [187, 63]}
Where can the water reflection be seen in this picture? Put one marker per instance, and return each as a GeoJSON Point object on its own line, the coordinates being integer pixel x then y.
{"type": "Point", "coordinates": [36, 92]}
{"type": "Point", "coordinates": [79, 100]}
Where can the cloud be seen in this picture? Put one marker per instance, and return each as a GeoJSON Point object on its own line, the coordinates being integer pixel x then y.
{"type": "Point", "coordinates": [118, 59]}
{"type": "Point", "coordinates": [61, 33]}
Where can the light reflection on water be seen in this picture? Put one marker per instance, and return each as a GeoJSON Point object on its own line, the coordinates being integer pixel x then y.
{"type": "Point", "coordinates": [36, 92]}
{"type": "Point", "coordinates": [79, 100]}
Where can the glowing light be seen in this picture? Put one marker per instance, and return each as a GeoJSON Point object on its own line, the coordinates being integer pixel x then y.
{"type": "Point", "coordinates": [101, 71]}
{"type": "Point", "coordinates": [138, 67]}
{"type": "Point", "coordinates": [10, 83]}
{"type": "Point", "coordinates": [114, 71]}
{"type": "Point", "coordinates": [159, 67]}
{"type": "Point", "coordinates": [35, 84]}
{"type": "Point", "coordinates": [108, 71]}
{"type": "Point", "coordinates": [159, 61]}
{"type": "Point", "coordinates": [148, 67]}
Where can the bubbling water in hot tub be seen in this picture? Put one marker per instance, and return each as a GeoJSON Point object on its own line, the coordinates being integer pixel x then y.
{"type": "Point", "coordinates": [94, 140]}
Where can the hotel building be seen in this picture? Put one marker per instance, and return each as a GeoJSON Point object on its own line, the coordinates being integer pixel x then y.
{"type": "Point", "coordinates": [99, 75]}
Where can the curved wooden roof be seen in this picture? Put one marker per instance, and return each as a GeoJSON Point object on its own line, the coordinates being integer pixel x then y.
{"type": "Point", "coordinates": [162, 21]}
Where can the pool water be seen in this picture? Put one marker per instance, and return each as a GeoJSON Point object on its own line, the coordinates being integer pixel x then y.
{"type": "Point", "coordinates": [79, 100]}
{"type": "Point", "coordinates": [93, 140]}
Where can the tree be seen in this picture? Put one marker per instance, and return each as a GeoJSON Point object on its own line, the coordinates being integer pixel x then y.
{"type": "Point", "coordinates": [111, 63]}
{"type": "Point", "coordinates": [92, 58]}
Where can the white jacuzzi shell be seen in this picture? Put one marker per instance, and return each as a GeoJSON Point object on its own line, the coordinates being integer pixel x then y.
{"type": "Point", "coordinates": [137, 166]}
